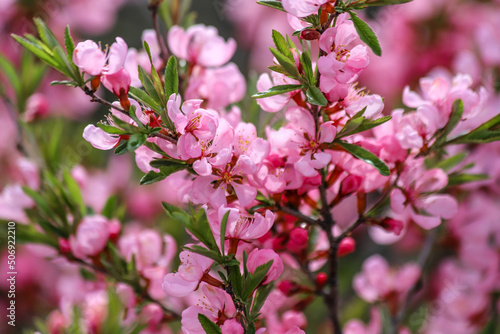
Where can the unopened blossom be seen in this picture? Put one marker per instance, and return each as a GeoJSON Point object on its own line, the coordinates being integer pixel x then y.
{"type": "Point", "coordinates": [91, 236]}
{"type": "Point", "coordinates": [200, 45]}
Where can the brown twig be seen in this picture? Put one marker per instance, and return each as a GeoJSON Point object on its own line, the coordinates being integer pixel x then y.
{"type": "Point", "coordinates": [153, 7]}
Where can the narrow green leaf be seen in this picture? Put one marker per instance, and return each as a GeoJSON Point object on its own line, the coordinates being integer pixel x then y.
{"type": "Point", "coordinates": [305, 60]}
{"type": "Point", "coordinates": [208, 325]}
{"type": "Point", "coordinates": [124, 125]}
{"type": "Point", "coordinates": [10, 73]}
{"type": "Point", "coordinates": [147, 83]}
{"type": "Point", "coordinates": [278, 69]}
{"type": "Point", "coordinates": [203, 251]}
{"type": "Point", "coordinates": [46, 34]}
{"type": "Point", "coordinates": [69, 43]}
{"type": "Point", "coordinates": [255, 279]}
{"type": "Point", "coordinates": [122, 148]}
{"type": "Point", "coordinates": [69, 83]}
{"type": "Point", "coordinates": [370, 3]}
{"type": "Point", "coordinates": [365, 125]}
{"type": "Point", "coordinates": [158, 163]}
{"type": "Point", "coordinates": [236, 279]}
{"type": "Point", "coordinates": [276, 90]}
{"type": "Point", "coordinates": [282, 45]}
{"type": "Point", "coordinates": [457, 111]}
{"type": "Point", "coordinates": [171, 77]}
{"type": "Point", "coordinates": [142, 96]}
{"type": "Point", "coordinates": [316, 96]}
{"type": "Point", "coordinates": [260, 298]}
{"type": "Point", "coordinates": [156, 78]}
{"type": "Point", "coordinates": [223, 226]}
{"type": "Point", "coordinates": [458, 179]}
{"type": "Point", "coordinates": [110, 207]}
{"type": "Point", "coordinates": [287, 64]}
{"type": "Point", "coordinates": [350, 126]}
{"type": "Point", "coordinates": [75, 192]}
{"type": "Point", "coordinates": [273, 4]}
{"type": "Point", "coordinates": [136, 140]}
{"type": "Point", "coordinates": [111, 129]}
{"type": "Point", "coordinates": [152, 177]}
{"type": "Point", "coordinates": [37, 50]}
{"type": "Point", "coordinates": [366, 156]}
{"type": "Point", "coordinates": [366, 34]}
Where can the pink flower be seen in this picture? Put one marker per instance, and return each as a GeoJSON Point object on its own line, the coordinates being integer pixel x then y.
{"type": "Point", "coordinates": [200, 45]}
{"type": "Point", "coordinates": [259, 257]}
{"type": "Point", "coordinates": [118, 82]}
{"type": "Point", "coordinates": [417, 194]}
{"type": "Point", "coordinates": [232, 326]}
{"type": "Point", "coordinates": [243, 227]}
{"type": "Point", "coordinates": [346, 56]}
{"type": "Point", "coordinates": [100, 139]}
{"type": "Point", "coordinates": [89, 57]}
{"type": "Point", "coordinates": [303, 8]}
{"type": "Point", "coordinates": [218, 87]}
{"type": "Point", "coordinates": [277, 102]}
{"type": "Point", "coordinates": [91, 236]}
{"type": "Point", "coordinates": [189, 275]}
{"type": "Point", "coordinates": [356, 326]}
{"type": "Point", "coordinates": [216, 305]}
{"type": "Point", "coordinates": [377, 281]}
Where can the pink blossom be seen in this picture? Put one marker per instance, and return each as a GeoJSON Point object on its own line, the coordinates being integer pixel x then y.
{"type": "Point", "coordinates": [91, 236]}
{"type": "Point", "coordinates": [217, 305]}
{"type": "Point", "coordinates": [355, 326]}
{"type": "Point", "coordinates": [89, 57]}
{"type": "Point", "coordinates": [377, 281]}
{"type": "Point", "coordinates": [303, 8]}
{"type": "Point", "coordinates": [417, 194]}
{"type": "Point", "coordinates": [118, 82]}
{"type": "Point", "coordinates": [232, 326]}
{"type": "Point", "coordinates": [218, 87]}
{"type": "Point", "coordinates": [100, 139]}
{"type": "Point", "coordinates": [241, 226]}
{"type": "Point", "coordinates": [277, 102]}
{"type": "Point", "coordinates": [187, 278]}
{"type": "Point", "coordinates": [259, 257]}
{"type": "Point", "coordinates": [346, 56]}
{"type": "Point", "coordinates": [200, 45]}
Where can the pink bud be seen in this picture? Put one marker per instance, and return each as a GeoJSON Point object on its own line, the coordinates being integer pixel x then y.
{"type": "Point", "coordinates": [346, 246]}
{"type": "Point", "coordinates": [287, 287]}
{"type": "Point", "coordinates": [152, 314]}
{"type": "Point", "coordinates": [118, 82]}
{"type": "Point", "coordinates": [350, 184]}
{"type": "Point", "coordinates": [259, 257]}
{"type": "Point", "coordinates": [310, 34]}
{"type": "Point", "coordinates": [91, 236]}
{"type": "Point", "coordinates": [392, 225]}
{"type": "Point", "coordinates": [232, 326]}
{"type": "Point", "coordinates": [64, 245]}
{"type": "Point", "coordinates": [37, 106]}
{"type": "Point", "coordinates": [298, 240]}
{"type": "Point", "coordinates": [114, 229]}
{"type": "Point", "coordinates": [321, 279]}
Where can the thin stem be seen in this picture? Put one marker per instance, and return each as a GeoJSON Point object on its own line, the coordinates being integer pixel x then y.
{"type": "Point", "coordinates": [95, 98]}
{"type": "Point", "coordinates": [422, 262]}
{"type": "Point", "coordinates": [297, 214]}
{"type": "Point", "coordinates": [153, 7]}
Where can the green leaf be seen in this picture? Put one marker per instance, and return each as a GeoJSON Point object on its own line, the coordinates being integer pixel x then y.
{"type": "Point", "coordinates": [171, 77]}
{"type": "Point", "coordinates": [140, 95]}
{"type": "Point", "coordinates": [350, 126]}
{"type": "Point", "coordinates": [255, 279]}
{"type": "Point", "coordinates": [305, 60]}
{"type": "Point", "coordinates": [223, 226]}
{"type": "Point", "coordinates": [205, 252]}
{"type": "Point", "coordinates": [282, 45]}
{"type": "Point", "coordinates": [208, 325]}
{"type": "Point", "coordinates": [260, 298]}
{"type": "Point", "coordinates": [366, 156]}
{"type": "Point", "coordinates": [147, 83]}
{"type": "Point", "coordinates": [40, 202]}
{"type": "Point", "coordinates": [364, 126]}
{"type": "Point", "coordinates": [278, 69]}
{"type": "Point", "coordinates": [68, 43]}
{"type": "Point", "coordinates": [38, 50]}
{"type": "Point", "coordinates": [276, 90]}
{"type": "Point", "coordinates": [366, 34]}
{"type": "Point", "coordinates": [273, 4]}
{"type": "Point", "coordinates": [69, 83]}
{"type": "Point", "coordinates": [458, 179]}
{"type": "Point", "coordinates": [315, 96]}
{"type": "Point", "coordinates": [136, 140]}
{"type": "Point", "coordinates": [451, 162]}
{"type": "Point", "coordinates": [236, 279]}
{"type": "Point", "coordinates": [157, 84]}
{"type": "Point", "coordinates": [122, 148]}
{"type": "Point", "coordinates": [288, 65]}
{"type": "Point", "coordinates": [457, 111]}
{"type": "Point", "coordinates": [158, 163]}
{"type": "Point", "coordinates": [124, 125]}
{"type": "Point", "coordinates": [477, 137]}
{"type": "Point", "coordinates": [74, 192]}
{"type": "Point", "coordinates": [370, 3]}
{"type": "Point", "coordinates": [45, 34]}
{"type": "Point", "coordinates": [111, 129]}
{"type": "Point", "coordinates": [10, 73]}
{"type": "Point", "coordinates": [110, 207]}
{"type": "Point", "coordinates": [152, 176]}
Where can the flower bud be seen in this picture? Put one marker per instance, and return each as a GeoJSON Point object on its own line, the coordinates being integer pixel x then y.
{"type": "Point", "coordinates": [310, 34]}
{"type": "Point", "coordinates": [321, 279]}
{"type": "Point", "coordinates": [350, 184]}
{"type": "Point", "coordinates": [346, 246]}
{"type": "Point", "coordinates": [298, 240]}
{"type": "Point", "coordinates": [392, 225]}
{"type": "Point", "coordinates": [64, 246]}
{"type": "Point", "coordinates": [118, 83]}
{"type": "Point", "coordinates": [37, 106]}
